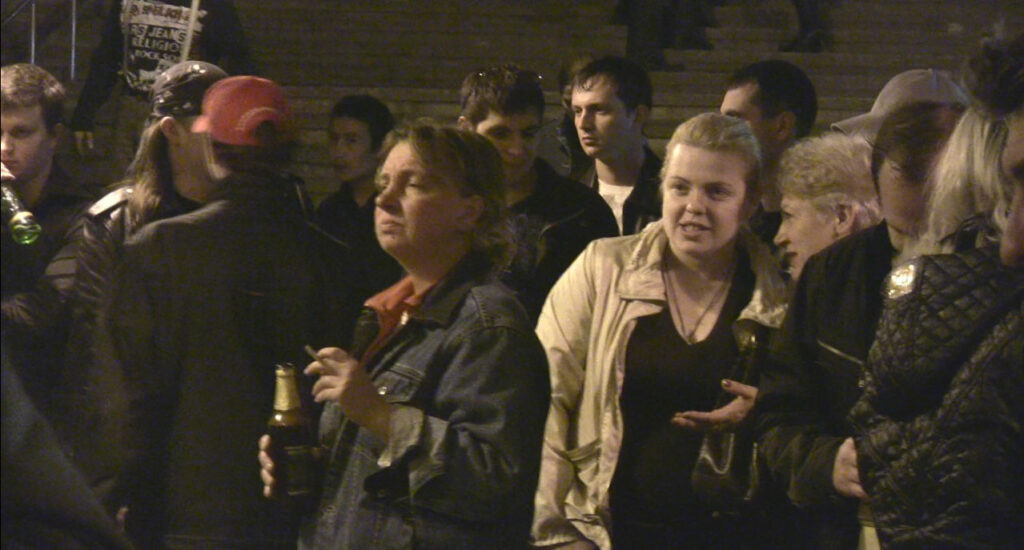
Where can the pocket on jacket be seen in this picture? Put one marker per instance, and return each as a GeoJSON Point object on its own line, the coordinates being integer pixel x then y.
{"type": "Point", "coordinates": [584, 460]}
{"type": "Point", "coordinates": [399, 383]}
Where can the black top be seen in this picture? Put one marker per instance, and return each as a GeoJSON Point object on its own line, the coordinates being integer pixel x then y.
{"type": "Point", "coordinates": [665, 375]}
{"type": "Point", "coordinates": [37, 280]}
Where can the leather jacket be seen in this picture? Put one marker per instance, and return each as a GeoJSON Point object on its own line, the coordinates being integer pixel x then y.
{"type": "Point", "coordinates": [643, 205]}
{"type": "Point", "coordinates": [940, 425]}
{"type": "Point", "coordinates": [810, 379]}
{"type": "Point", "coordinates": [552, 226]}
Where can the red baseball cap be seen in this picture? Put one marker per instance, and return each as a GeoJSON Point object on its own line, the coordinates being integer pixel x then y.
{"type": "Point", "coordinates": [234, 107]}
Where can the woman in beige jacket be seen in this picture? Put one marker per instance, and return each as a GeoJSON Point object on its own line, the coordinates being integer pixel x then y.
{"type": "Point", "coordinates": [639, 329]}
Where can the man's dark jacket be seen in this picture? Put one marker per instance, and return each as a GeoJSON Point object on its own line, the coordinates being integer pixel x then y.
{"type": "Point", "coordinates": [205, 305]}
{"type": "Point", "coordinates": [37, 280]}
{"type": "Point", "coordinates": [643, 205]}
{"type": "Point", "coordinates": [552, 226]}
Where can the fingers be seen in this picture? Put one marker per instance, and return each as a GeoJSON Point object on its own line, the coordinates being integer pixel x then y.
{"type": "Point", "coordinates": [684, 421]}
{"type": "Point", "coordinates": [698, 417]}
{"type": "Point", "coordinates": [739, 389]}
{"type": "Point", "coordinates": [845, 475]}
{"type": "Point", "coordinates": [266, 466]}
{"type": "Point", "coordinates": [858, 492]}
{"type": "Point", "coordinates": [268, 484]}
{"type": "Point", "coordinates": [329, 361]}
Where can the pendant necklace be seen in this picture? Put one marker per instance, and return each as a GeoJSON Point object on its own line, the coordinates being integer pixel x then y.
{"type": "Point", "coordinates": [674, 307]}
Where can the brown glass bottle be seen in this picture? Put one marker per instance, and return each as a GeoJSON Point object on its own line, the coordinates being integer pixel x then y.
{"type": "Point", "coordinates": [291, 440]}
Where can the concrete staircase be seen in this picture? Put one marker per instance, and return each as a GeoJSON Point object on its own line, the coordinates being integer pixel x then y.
{"type": "Point", "coordinates": [413, 54]}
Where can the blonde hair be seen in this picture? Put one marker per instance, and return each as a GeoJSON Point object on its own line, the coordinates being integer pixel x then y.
{"type": "Point", "coordinates": [831, 170]}
{"type": "Point", "coordinates": [720, 133]}
{"type": "Point", "coordinates": [967, 183]}
{"type": "Point", "coordinates": [475, 166]}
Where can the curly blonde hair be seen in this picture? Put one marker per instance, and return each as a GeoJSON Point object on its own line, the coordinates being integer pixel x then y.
{"type": "Point", "coordinates": [830, 170]}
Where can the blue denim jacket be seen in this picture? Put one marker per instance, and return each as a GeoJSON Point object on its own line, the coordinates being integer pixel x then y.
{"type": "Point", "coordinates": [461, 467]}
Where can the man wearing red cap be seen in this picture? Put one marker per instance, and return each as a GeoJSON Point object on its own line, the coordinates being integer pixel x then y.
{"type": "Point", "coordinates": [206, 305]}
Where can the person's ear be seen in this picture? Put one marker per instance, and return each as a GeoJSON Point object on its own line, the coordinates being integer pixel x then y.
{"type": "Point", "coordinates": [641, 113]}
{"type": "Point", "coordinates": [845, 220]}
{"type": "Point", "coordinates": [785, 127]}
{"type": "Point", "coordinates": [170, 128]}
{"type": "Point", "coordinates": [469, 213]}
{"type": "Point", "coordinates": [464, 124]}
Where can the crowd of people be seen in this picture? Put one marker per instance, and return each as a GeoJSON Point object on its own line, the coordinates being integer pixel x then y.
{"type": "Point", "coordinates": [516, 345]}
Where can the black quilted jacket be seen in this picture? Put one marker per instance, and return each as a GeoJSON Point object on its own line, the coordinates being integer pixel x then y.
{"type": "Point", "coordinates": [940, 426]}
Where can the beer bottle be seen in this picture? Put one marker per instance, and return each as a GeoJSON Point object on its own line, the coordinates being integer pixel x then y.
{"type": "Point", "coordinates": [291, 440]}
{"type": "Point", "coordinates": [23, 225]}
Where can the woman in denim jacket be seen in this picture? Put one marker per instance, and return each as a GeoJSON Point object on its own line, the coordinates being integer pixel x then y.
{"type": "Point", "coordinates": [433, 428]}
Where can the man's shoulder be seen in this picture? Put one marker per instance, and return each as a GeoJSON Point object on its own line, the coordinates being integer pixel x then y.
{"type": "Point", "coordinates": [110, 203]}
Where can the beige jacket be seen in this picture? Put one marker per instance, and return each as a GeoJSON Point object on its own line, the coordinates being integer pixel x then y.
{"type": "Point", "coordinates": [584, 327]}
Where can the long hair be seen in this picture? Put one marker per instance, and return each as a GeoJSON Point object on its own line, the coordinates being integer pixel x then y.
{"type": "Point", "coordinates": [475, 166]}
{"type": "Point", "coordinates": [151, 180]}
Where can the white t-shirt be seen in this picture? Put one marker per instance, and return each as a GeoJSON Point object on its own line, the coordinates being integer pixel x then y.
{"type": "Point", "coordinates": [615, 196]}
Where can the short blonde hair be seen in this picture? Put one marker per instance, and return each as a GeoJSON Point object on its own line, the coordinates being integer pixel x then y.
{"type": "Point", "coordinates": [830, 170]}
{"type": "Point", "coordinates": [720, 133]}
{"type": "Point", "coordinates": [475, 166]}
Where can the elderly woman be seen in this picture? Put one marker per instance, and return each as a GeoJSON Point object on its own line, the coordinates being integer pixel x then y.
{"type": "Point", "coordinates": [435, 428]}
{"type": "Point", "coordinates": [827, 194]}
{"type": "Point", "coordinates": [639, 329]}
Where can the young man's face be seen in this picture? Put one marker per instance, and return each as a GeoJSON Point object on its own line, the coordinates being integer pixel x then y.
{"type": "Point", "coordinates": [607, 129]}
{"type": "Point", "coordinates": [740, 102]}
{"type": "Point", "coordinates": [515, 137]}
{"type": "Point", "coordinates": [27, 145]}
{"type": "Point", "coordinates": [352, 155]}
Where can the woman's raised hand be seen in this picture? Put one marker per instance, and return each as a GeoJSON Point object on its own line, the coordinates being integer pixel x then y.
{"type": "Point", "coordinates": [729, 416]}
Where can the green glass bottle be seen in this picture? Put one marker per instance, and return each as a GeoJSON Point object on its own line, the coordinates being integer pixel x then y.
{"type": "Point", "coordinates": [23, 225]}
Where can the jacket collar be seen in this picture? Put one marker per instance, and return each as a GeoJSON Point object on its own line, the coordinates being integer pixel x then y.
{"type": "Point", "coordinates": [641, 277]}
{"type": "Point", "coordinates": [61, 189]}
{"type": "Point", "coordinates": [442, 303]}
